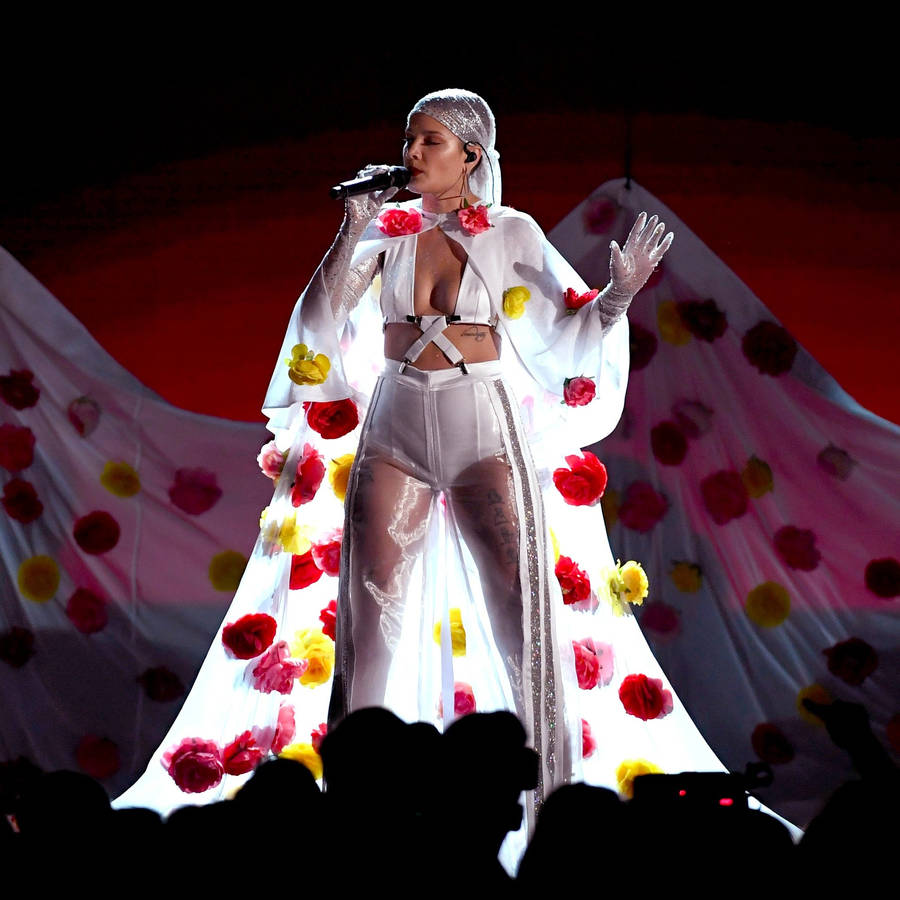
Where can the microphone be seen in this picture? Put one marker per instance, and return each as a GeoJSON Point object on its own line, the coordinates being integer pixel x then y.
{"type": "Point", "coordinates": [395, 176]}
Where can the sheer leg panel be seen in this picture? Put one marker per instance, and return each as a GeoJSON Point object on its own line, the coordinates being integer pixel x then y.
{"type": "Point", "coordinates": [389, 521]}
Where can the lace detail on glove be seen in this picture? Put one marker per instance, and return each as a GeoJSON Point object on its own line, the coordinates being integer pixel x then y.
{"type": "Point", "coordinates": [631, 266]}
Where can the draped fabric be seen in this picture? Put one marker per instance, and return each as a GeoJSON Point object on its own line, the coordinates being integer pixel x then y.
{"type": "Point", "coordinates": [763, 502]}
{"type": "Point", "coordinates": [124, 531]}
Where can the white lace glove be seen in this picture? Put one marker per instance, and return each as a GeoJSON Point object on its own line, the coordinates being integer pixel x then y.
{"type": "Point", "coordinates": [629, 268]}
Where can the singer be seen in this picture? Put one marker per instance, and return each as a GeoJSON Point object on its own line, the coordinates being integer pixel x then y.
{"type": "Point", "coordinates": [439, 375]}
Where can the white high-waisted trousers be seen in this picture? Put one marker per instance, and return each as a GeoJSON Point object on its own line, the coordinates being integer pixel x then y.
{"type": "Point", "coordinates": [449, 442]}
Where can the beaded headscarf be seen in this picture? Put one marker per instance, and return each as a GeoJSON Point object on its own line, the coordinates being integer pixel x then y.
{"type": "Point", "coordinates": [468, 117]}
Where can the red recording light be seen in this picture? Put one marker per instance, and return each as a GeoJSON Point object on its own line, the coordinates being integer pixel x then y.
{"type": "Point", "coordinates": [726, 801]}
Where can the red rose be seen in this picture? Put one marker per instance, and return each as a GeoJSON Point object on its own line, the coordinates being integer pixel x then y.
{"type": "Point", "coordinates": [17, 390]}
{"type": "Point", "coordinates": [276, 671]}
{"type": "Point", "coordinates": [87, 611]}
{"type": "Point", "coordinates": [16, 447]}
{"type": "Point", "coordinates": [770, 744]}
{"type": "Point", "coordinates": [194, 491]}
{"type": "Point", "coordinates": [317, 736]}
{"type": "Point", "coordinates": [397, 222]}
{"type": "Point", "coordinates": [20, 500]}
{"type": "Point", "coordinates": [328, 618]}
{"type": "Point", "coordinates": [16, 646]}
{"type": "Point", "coordinates": [304, 571]}
{"type": "Point", "coordinates": [473, 219]}
{"type": "Point", "coordinates": [797, 548]}
{"type": "Point", "coordinates": [645, 697]}
{"type": "Point", "coordinates": [724, 496]}
{"type": "Point", "coordinates": [852, 660]}
{"type": "Point", "coordinates": [573, 581]}
{"type": "Point", "coordinates": [327, 555]}
{"type": "Point", "coordinates": [285, 728]}
{"type": "Point", "coordinates": [588, 744]}
{"type": "Point", "coordinates": [249, 636]}
{"type": "Point", "coordinates": [161, 684]}
{"type": "Point", "coordinates": [242, 755]}
{"type": "Point", "coordinates": [310, 472]}
{"type": "Point", "coordinates": [578, 391]}
{"type": "Point", "coordinates": [642, 507]}
{"type": "Point", "coordinates": [463, 699]}
{"type": "Point", "coordinates": [574, 301]}
{"type": "Point", "coordinates": [883, 577]}
{"type": "Point", "coordinates": [587, 664]}
{"type": "Point", "coordinates": [584, 483]}
{"type": "Point", "coordinates": [195, 765]}
{"type": "Point", "coordinates": [97, 756]}
{"type": "Point", "coordinates": [668, 443]}
{"type": "Point", "coordinates": [702, 318]}
{"type": "Point", "coordinates": [96, 532]}
{"type": "Point", "coordinates": [770, 348]}
{"type": "Point", "coordinates": [642, 346]}
{"type": "Point", "coordinates": [333, 419]}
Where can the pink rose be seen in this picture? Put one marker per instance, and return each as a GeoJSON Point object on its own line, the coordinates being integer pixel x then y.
{"type": "Point", "coordinates": [397, 222]}
{"type": "Point", "coordinates": [574, 301]}
{"type": "Point", "coordinates": [195, 765]}
{"type": "Point", "coordinates": [463, 700]}
{"type": "Point", "coordinates": [271, 460]}
{"type": "Point", "coordinates": [285, 729]}
{"type": "Point", "coordinates": [16, 447]}
{"type": "Point", "coordinates": [474, 219]}
{"type": "Point", "coordinates": [276, 671]}
{"type": "Point", "coordinates": [327, 554]}
{"type": "Point", "coordinates": [587, 666]}
{"type": "Point", "coordinates": [588, 744]}
{"type": "Point", "coordinates": [578, 391]}
{"type": "Point", "coordinates": [642, 507]}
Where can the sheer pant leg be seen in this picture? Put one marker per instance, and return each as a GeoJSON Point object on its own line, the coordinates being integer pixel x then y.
{"type": "Point", "coordinates": [388, 521]}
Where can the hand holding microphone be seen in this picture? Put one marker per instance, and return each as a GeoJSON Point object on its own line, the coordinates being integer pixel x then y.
{"type": "Point", "coordinates": [372, 178]}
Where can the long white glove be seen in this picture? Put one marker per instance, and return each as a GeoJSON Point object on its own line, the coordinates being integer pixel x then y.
{"type": "Point", "coordinates": [631, 266]}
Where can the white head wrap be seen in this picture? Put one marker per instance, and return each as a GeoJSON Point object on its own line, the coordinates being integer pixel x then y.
{"type": "Point", "coordinates": [468, 117]}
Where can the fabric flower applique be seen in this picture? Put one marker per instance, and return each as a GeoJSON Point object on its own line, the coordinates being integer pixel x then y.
{"type": "Point", "coordinates": [87, 611]}
{"type": "Point", "coordinates": [768, 604]}
{"type": "Point", "coordinates": [724, 496]}
{"type": "Point", "coordinates": [593, 663]}
{"type": "Point", "coordinates": [328, 618]}
{"type": "Point", "coordinates": [38, 578]}
{"type": "Point", "coordinates": [399, 222]}
{"type": "Point", "coordinates": [578, 391]}
{"type": "Point", "coordinates": [17, 389]}
{"type": "Point", "coordinates": [304, 571]}
{"type": "Point", "coordinates": [514, 300]}
{"type": "Point", "coordinates": [285, 728]}
{"type": "Point", "coordinates": [474, 219]}
{"type": "Point", "coordinates": [226, 570]}
{"type": "Point", "coordinates": [97, 532]}
{"type": "Point", "coordinates": [84, 414]}
{"type": "Point", "coordinates": [271, 460]}
{"type": "Point", "coordinates": [16, 447]}
{"type": "Point", "coordinates": [588, 743]}
{"type": "Point", "coordinates": [686, 576]}
{"type": "Point", "coordinates": [318, 650]}
{"type": "Point", "coordinates": [770, 348]}
{"type": "Point", "coordinates": [305, 754]}
{"type": "Point", "coordinates": [327, 553]}
{"type": "Point", "coordinates": [629, 769]}
{"type": "Point", "coordinates": [306, 366]}
{"type": "Point", "coordinates": [195, 765]}
{"type": "Point", "coordinates": [276, 671]}
{"type": "Point", "coordinates": [645, 698]}
{"type": "Point", "coordinates": [757, 477]}
{"type": "Point", "coordinates": [242, 755]}
{"type": "Point", "coordinates": [642, 506]}
{"type": "Point", "coordinates": [194, 491]}
{"type": "Point", "coordinates": [120, 479]}
{"type": "Point", "coordinates": [310, 473]}
{"type": "Point", "coordinates": [339, 474]}
{"type": "Point", "coordinates": [20, 500]}
{"type": "Point", "coordinates": [332, 419]}
{"type": "Point", "coordinates": [457, 632]}
{"type": "Point", "coordinates": [574, 301]}
{"type": "Point", "coordinates": [317, 735]}
{"type": "Point", "coordinates": [796, 547]}
{"type": "Point", "coordinates": [668, 443]}
{"type": "Point", "coordinates": [249, 636]}
{"type": "Point", "coordinates": [882, 577]}
{"type": "Point", "coordinates": [584, 482]}
{"type": "Point", "coordinates": [573, 581]}
{"type": "Point", "coordinates": [292, 537]}
{"type": "Point", "coordinates": [463, 700]}
{"type": "Point", "coordinates": [628, 584]}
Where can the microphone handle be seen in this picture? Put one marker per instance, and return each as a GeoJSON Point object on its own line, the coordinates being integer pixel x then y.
{"type": "Point", "coordinates": [395, 176]}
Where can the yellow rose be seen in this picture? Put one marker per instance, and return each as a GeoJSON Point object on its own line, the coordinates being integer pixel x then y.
{"type": "Point", "coordinates": [686, 576]}
{"type": "Point", "coordinates": [555, 544]}
{"type": "Point", "coordinates": [39, 578]}
{"type": "Point", "coordinates": [609, 503]}
{"type": "Point", "coordinates": [226, 569]}
{"type": "Point", "coordinates": [671, 328]}
{"type": "Point", "coordinates": [609, 587]}
{"type": "Point", "coordinates": [339, 474]}
{"type": "Point", "coordinates": [305, 754]}
{"type": "Point", "coordinates": [292, 537]}
{"type": "Point", "coordinates": [514, 300]}
{"type": "Point", "coordinates": [307, 367]}
{"type": "Point", "coordinates": [768, 604]}
{"type": "Point", "coordinates": [318, 650]}
{"type": "Point", "coordinates": [120, 479]}
{"type": "Point", "coordinates": [457, 633]}
{"type": "Point", "coordinates": [816, 693]}
{"type": "Point", "coordinates": [757, 477]}
{"type": "Point", "coordinates": [634, 580]}
{"type": "Point", "coordinates": [629, 769]}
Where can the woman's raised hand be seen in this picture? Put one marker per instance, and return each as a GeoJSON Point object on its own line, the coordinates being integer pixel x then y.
{"type": "Point", "coordinates": [631, 266]}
